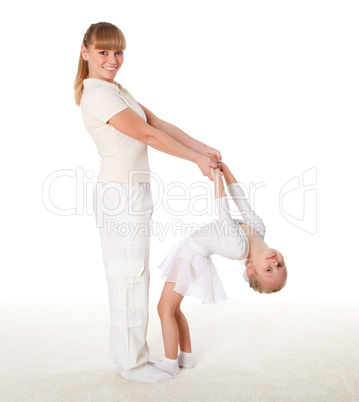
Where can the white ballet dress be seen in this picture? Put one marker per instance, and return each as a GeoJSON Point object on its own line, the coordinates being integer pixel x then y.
{"type": "Point", "coordinates": [189, 263]}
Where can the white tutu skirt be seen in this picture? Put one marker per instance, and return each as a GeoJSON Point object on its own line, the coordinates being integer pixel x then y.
{"type": "Point", "coordinates": [194, 274]}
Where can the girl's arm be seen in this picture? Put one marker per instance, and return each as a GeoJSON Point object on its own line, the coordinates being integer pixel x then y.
{"type": "Point", "coordinates": [180, 136]}
{"type": "Point", "coordinates": [222, 207]}
{"type": "Point", "coordinates": [218, 183]}
{"type": "Point", "coordinates": [239, 198]}
{"type": "Point", "coordinates": [236, 191]}
{"type": "Point", "coordinates": [130, 123]}
{"type": "Point", "coordinates": [228, 175]}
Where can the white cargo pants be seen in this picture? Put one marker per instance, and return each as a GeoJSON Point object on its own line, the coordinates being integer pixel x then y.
{"type": "Point", "coordinates": [123, 215]}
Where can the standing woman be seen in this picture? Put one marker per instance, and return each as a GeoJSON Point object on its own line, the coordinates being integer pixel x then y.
{"type": "Point", "coordinates": [122, 128]}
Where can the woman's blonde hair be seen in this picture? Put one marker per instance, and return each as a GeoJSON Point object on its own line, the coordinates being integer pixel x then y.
{"type": "Point", "coordinates": [104, 36]}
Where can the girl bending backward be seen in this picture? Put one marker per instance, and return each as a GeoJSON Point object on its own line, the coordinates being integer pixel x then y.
{"type": "Point", "coordinates": [189, 271]}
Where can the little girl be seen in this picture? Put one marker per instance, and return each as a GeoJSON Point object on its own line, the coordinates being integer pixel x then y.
{"type": "Point", "coordinates": [189, 270]}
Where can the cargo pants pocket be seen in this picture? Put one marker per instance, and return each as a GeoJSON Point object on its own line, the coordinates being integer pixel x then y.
{"type": "Point", "coordinates": [127, 280]}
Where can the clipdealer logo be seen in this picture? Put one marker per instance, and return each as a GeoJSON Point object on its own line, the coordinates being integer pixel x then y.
{"type": "Point", "coordinates": [301, 193]}
{"type": "Point", "coordinates": [67, 192]}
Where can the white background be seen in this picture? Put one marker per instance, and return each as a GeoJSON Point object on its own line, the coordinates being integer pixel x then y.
{"type": "Point", "coordinates": [272, 84]}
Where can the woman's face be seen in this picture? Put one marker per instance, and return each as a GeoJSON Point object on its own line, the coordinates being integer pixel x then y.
{"type": "Point", "coordinates": [269, 267]}
{"type": "Point", "coordinates": [102, 64]}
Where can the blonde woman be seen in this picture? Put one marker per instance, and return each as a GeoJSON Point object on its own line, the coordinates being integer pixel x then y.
{"type": "Point", "coordinates": [122, 129]}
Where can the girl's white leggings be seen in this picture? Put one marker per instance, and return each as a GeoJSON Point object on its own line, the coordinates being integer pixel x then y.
{"type": "Point", "coordinates": [123, 215]}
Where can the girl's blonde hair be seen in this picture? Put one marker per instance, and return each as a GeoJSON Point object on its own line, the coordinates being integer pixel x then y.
{"type": "Point", "coordinates": [255, 284]}
{"type": "Point", "coordinates": [104, 36]}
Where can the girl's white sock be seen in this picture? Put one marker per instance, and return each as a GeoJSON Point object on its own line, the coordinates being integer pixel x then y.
{"type": "Point", "coordinates": [170, 366]}
{"type": "Point", "coordinates": [185, 360]}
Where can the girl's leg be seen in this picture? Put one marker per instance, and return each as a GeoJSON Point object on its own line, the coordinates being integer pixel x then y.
{"type": "Point", "coordinates": [175, 331]}
{"type": "Point", "coordinates": [167, 306]}
{"type": "Point", "coordinates": [185, 358]}
{"type": "Point", "coordinates": [183, 329]}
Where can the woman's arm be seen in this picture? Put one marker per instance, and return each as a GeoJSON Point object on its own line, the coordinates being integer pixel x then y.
{"type": "Point", "coordinates": [180, 136]}
{"type": "Point", "coordinates": [130, 123]}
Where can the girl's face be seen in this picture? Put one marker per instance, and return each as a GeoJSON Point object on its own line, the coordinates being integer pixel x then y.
{"type": "Point", "coordinates": [102, 64]}
{"type": "Point", "coordinates": [269, 268]}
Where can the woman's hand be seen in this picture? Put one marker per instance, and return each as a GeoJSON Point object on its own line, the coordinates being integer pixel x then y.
{"type": "Point", "coordinates": [221, 165]}
{"type": "Point", "coordinates": [208, 151]}
{"type": "Point", "coordinates": [205, 164]}
{"type": "Point", "coordinates": [214, 159]}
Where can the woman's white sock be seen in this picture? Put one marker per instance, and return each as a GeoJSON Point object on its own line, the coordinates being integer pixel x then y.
{"type": "Point", "coordinates": [169, 366]}
{"type": "Point", "coordinates": [185, 360]}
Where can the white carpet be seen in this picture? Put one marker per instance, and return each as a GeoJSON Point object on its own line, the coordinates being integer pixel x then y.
{"type": "Point", "coordinates": [242, 353]}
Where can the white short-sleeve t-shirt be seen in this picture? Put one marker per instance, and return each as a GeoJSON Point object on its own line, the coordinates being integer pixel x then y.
{"type": "Point", "coordinates": [121, 155]}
